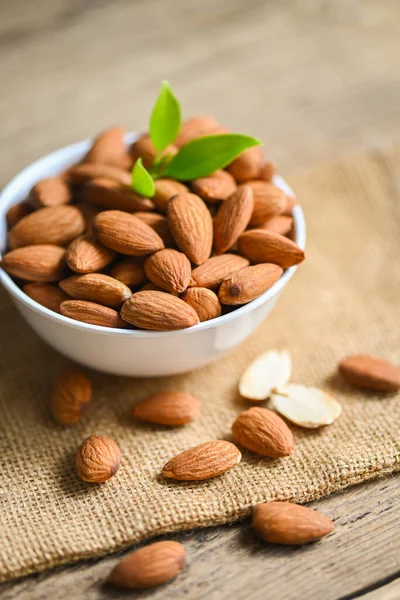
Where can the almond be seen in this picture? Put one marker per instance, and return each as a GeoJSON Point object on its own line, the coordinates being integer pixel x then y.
{"type": "Point", "coordinates": [86, 171]}
{"type": "Point", "coordinates": [197, 126]}
{"type": "Point", "coordinates": [92, 313]}
{"type": "Point", "coordinates": [86, 255]}
{"type": "Point", "coordinates": [167, 408]}
{"type": "Point", "coordinates": [260, 246]}
{"type": "Point", "coordinates": [155, 288]}
{"type": "Point", "coordinates": [48, 295]}
{"type": "Point", "coordinates": [98, 459]}
{"type": "Point", "coordinates": [109, 148]}
{"type": "Point", "coordinates": [89, 213]}
{"type": "Point", "coordinates": [147, 567]}
{"type": "Point", "coordinates": [204, 302]}
{"type": "Point", "coordinates": [96, 287]}
{"type": "Point", "coordinates": [158, 311]}
{"type": "Point", "coordinates": [268, 371]}
{"type": "Point", "coordinates": [289, 524]}
{"type": "Point", "coordinates": [269, 200]}
{"type": "Point", "coordinates": [306, 406]}
{"type": "Point", "coordinates": [191, 225]}
{"type": "Point", "coordinates": [71, 393]}
{"type": "Point", "coordinates": [268, 171]}
{"type": "Point", "coordinates": [143, 148]}
{"type": "Point", "coordinates": [248, 165]}
{"type": "Point", "coordinates": [203, 461]}
{"type": "Point", "coordinates": [52, 225]}
{"type": "Point", "coordinates": [232, 218]}
{"type": "Point", "coordinates": [214, 188]}
{"type": "Point", "coordinates": [165, 189]}
{"type": "Point", "coordinates": [216, 269]}
{"type": "Point", "coordinates": [43, 263]}
{"type": "Point", "coordinates": [126, 234]}
{"type": "Point", "coordinates": [160, 225]}
{"type": "Point", "coordinates": [263, 432]}
{"type": "Point", "coordinates": [129, 270]}
{"type": "Point", "coordinates": [169, 269]}
{"type": "Point", "coordinates": [291, 202]}
{"type": "Point", "coordinates": [279, 224]}
{"type": "Point", "coordinates": [109, 194]}
{"type": "Point", "coordinates": [370, 372]}
{"type": "Point", "coordinates": [249, 283]}
{"type": "Point", "coordinates": [52, 191]}
{"type": "Point", "coordinates": [16, 212]}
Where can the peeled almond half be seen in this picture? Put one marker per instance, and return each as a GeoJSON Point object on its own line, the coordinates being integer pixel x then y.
{"type": "Point", "coordinates": [306, 406]}
{"type": "Point", "coordinates": [270, 370]}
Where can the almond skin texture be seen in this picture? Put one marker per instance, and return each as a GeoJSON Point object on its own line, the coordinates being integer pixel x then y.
{"type": "Point", "coordinates": [214, 188]}
{"type": "Point", "coordinates": [17, 212]}
{"type": "Point", "coordinates": [165, 189]}
{"type": "Point", "coordinates": [248, 165]}
{"type": "Point", "coordinates": [43, 263]}
{"type": "Point", "coordinates": [168, 408]}
{"type": "Point", "coordinates": [150, 566]}
{"type": "Point", "coordinates": [89, 213]}
{"type": "Point", "coordinates": [129, 270]}
{"type": "Point", "coordinates": [109, 194]}
{"type": "Point", "coordinates": [97, 459]}
{"type": "Point", "coordinates": [160, 225]}
{"type": "Point", "coordinates": [52, 191]}
{"type": "Point", "coordinates": [263, 432]}
{"type": "Point", "coordinates": [86, 255]}
{"type": "Point", "coordinates": [289, 524]}
{"type": "Point", "coordinates": [279, 224]}
{"type": "Point", "coordinates": [232, 218]}
{"type": "Point", "coordinates": [169, 269]}
{"type": "Point", "coordinates": [143, 148]}
{"type": "Point", "coordinates": [249, 283]}
{"type": "Point", "coordinates": [96, 287]}
{"type": "Point", "coordinates": [48, 295]}
{"type": "Point", "coordinates": [158, 311]}
{"type": "Point", "coordinates": [204, 302]}
{"type": "Point", "coordinates": [90, 312]}
{"type": "Point", "coordinates": [261, 246]}
{"type": "Point", "coordinates": [86, 171]}
{"type": "Point", "coordinates": [203, 461]}
{"type": "Point", "coordinates": [155, 288]}
{"type": "Point", "coordinates": [109, 148]}
{"type": "Point", "coordinates": [71, 393]}
{"type": "Point", "coordinates": [191, 225]}
{"type": "Point", "coordinates": [197, 126]}
{"type": "Point", "coordinates": [216, 269]}
{"type": "Point", "coordinates": [268, 171]}
{"type": "Point", "coordinates": [53, 225]}
{"type": "Point", "coordinates": [269, 201]}
{"type": "Point", "coordinates": [370, 372]}
{"type": "Point", "coordinates": [126, 234]}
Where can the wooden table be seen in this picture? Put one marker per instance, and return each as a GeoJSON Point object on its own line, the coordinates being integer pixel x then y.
{"type": "Point", "coordinates": [315, 80]}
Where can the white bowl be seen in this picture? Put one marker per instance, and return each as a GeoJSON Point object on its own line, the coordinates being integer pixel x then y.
{"type": "Point", "coordinates": [129, 352]}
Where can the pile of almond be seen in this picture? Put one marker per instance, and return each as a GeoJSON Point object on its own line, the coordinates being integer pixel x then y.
{"type": "Point", "coordinates": [86, 246]}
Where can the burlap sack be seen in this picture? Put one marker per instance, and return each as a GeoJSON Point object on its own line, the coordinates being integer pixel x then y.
{"type": "Point", "coordinates": [344, 299]}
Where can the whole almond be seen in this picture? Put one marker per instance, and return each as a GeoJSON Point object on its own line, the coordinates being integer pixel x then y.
{"type": "Point", "coordinates": [203, 461]}
{"type": "Point", "coordinates": [370, 372]}
{"type": "Point", "coordinates": [110, 194]}
{"type": "Point", "coordinates": [129, 270]}
{"type": "Point", "coordinates": [204, 302]}
{"type": "Point", "coordinates": [98, 459]}
{"type": "Point", "coordinates": [149, 285]}
{"type": "Point", "coordinates": [268, 171]}
{"type": "Point", "coordinates": [48, 295]}
{"type": "Point", "coordinates": [249, 283]}
{"type": "Point", "coordinates": [279, 224]}
{"type": "Point", "coordinates": [232, 218]}
{"type": "Point", "coordinates": [197, 126]}
{"type": "Point", "coordinates": [150, 566]}
{"type": "Point", "coordinates": [165, 189]}
{"type": "Point", "coordinates": [52, 191]}
{"type": "Point", "coordinates": [72, 391]}
{"type": "Point", "coordinates": [52, 225]}
{"type": "Point", "coordinates": [169, 270]}
{"type": "Point", "coordinates": [248, 165]}
{"type": "Point", "coordinates": [158, 311]}
{"type": "Point", "coordinates": [167, 408]}
{"type": "Point", "coordinates": [289, 524]}
{"type": "Point", "coordinates": [86, 255]}
{"type": "Point", "coordinates": [143, 148]}
{"type": "Point", "coordinates": [43, 263]}
{"type": "Point", "coordinates": [259, 245]}
{"type": "Point", "coordinates": [96, 287]}
{"type": "Point", "coordinates": [92, 313]}
{"type": "Point", "coordinates": [89, 212]}
{"type": "Point", "coordinates": [214, 188]}
{"type": "Point", "coordinates": [263, 432]}
{"type": "Point", "coordinates": [84, 172]}
{"type": "Point", "coordinates": [126, 234]}
{"type": "Point", "coordinates": [191, 225]}
{"type": "Point", "coordinates": [17, 212]}
{"type": "Point", "coordinates": [216, 269]}
{"type": "Point", "coordinates": [269, 200]}
{"type": "Point", "coordinates": [109, 148]}
{"type": "Point", "coordinates": [160, 225]}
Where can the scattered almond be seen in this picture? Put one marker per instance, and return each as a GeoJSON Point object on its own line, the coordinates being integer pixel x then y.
{"type": "Point", "coordinates": [203, 461]}
{"type": "Point", "coordinates": [204, 301]}
{"type": "Point", "coordinates": [370, 372]}
{"type": "Point", "coordinates": [269, 370]}
{"type": "Point", "coordinates": [269, 200]}
{"type": "Point", "coordinates": [169, 269]}
{"type": "Point", "coordinates": [86, 255]}
{"type": "Point", "coordinates": [126, 234]}
{"type": "Point", "coordinates": [43, 263]}
{"type": "Point", "coordinates": [165, 190]}
{"type": "Point", "coordinates": [52, 191]}
{"type": "Point", "coordinates": [306, 406]}
{"type": "Point", "coordinates": [110, 194]}
{"type": "Point", "coordinates": [232, 218]}
{"type": "Point", "coordinates": [71, 393]}
{"type": "Point", "coordinates": [109, 148]}
{"type": "Point", "coordinates": [191, 225]}
{"type": "Point", "coordinates": [279, 224]}
{"type": "Point", "coordinates": [96, 287]}
{"type": "Point", "coordinates": [249, 283]}
{"type": "Point", "coordinates": [46, 294]}
{"type": "Point", "coordinates": [92, 313]}
{"type": "Point", "coordinates": [214, 188]}
{"type": "Point", "coordinates": [217, 268]}
{"type": "Point", "coordinates": [98, 459]}
{"type": "Point", "coordinates": [167, 408]}
{"type": "Point", "coordinates": [260, 246]}
{"type": "Point", "coordinates": [248, 165]}
{"type": "Point", "coordinates": [263, 432]}
{"type": "Point", "coordinates": [129, 270]}
{"type": "Point", "coordinates": [158, 311]}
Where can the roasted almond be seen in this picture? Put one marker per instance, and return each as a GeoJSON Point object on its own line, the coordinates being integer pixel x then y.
{"type": "Point", "coordinates": [109, 148]}
{"type": "Point", "coordinates": [158, 311]}
{"type": "Point", "coordinates": [143, 148]}
{"type": "Point", "coordinates": [17, 212]}
{"type": "Point", "coordinates": [216, 269]}
{"type": "Point", "coordinates": [370, 372]}
{"type": "Point", "coordinates": [248, 165]}
{"type": "Point", "coordinates": [110, 194]}
{"type": "Point", "coordinates": [126, 234]}
{"type": "Point", "coordinates": [279, 224]}
{"type": "Point", "coordinates": [268, 171]}
{"type": "Point", "coordinates": [197, 126]}
{"type": "Point", "coordinates": [71, 393]}
{"type": "Point", "coordinates": [165, 189]}
{"type": "Point", "coordinates": [129, 270]}
{"type": "Point", "coordinates": [43, 263]}
{"type": "Point", "coordinates": [90, 312]}
{"type": "Point", "coordinates": [232, 218]}
{"type": "Point", "coordinates": [214, 188]}
{"type": "Point", "coordinates": [86, 255]}
{"type": "Point", "coordinates": [204, 302]}
{"type": "Point", "coordinates": [147, 567]}
{"type": "Point", "coordinates": [52, 191]}
{"type": "Point", "coordinates": [203, 461]}
{"type": "Point", "coordinates": [259, 245]}
{"type": "Point", "coordinates": [48, 295]}
{"type": "Point", "coordinates": [98, 459]}
{"type": "Point", "coordinates": [160, 225]}
{"type": "Point", "coordinates": [191, 225]}
{"type": "Point", "coordinates": [289, 524]}
{"type": "Point", "coordinates": [167, 408]}
{"type": "Point", "coordinates": [96, 287]}
{"type": "Point", "coordinates": [263, 432]}
{"type": "Point", "coordinates": [269, 200]}
{"type": "Point", "coordinates": [52, 225]}
{"type": "Point", "coordinates": [249, 283]}
{"type": "Point", "coordinates": [84, 172]}
{"type": "Point", "coordinates": [169, 269]}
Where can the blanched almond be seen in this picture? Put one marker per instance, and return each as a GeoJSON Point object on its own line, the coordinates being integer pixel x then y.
{"type": "Point", "coordinates": [214, 188]}
{"type": "Point", "coordinates": [370, 372]}
{"type": "Point", "coordinates": [43, 263]}
{"type": "Point", "coordinates": [270, 370]}
{"type": "Point", "coordinates": [269, 200]}
{"type": "Point", "coordinates": [90, 312]}
{"type": "Point", "coordinates": [126, 234]}
{"type": "Point", "coordinates": [110, 194]}
{"type": "Point", "coordinates": [263, 432]}
{"type": "Point", "coordinates": [46, 294]}
{"type": "Point", "coordinates": [248, 165]}
{"type": "Point", "coordinates": [96, 287]}
{"type": "Point", "coordinates": [204, 302]}
{"type": "Point", "coordinates": [169, 269]}
{"type": "Point", "coordinates": [52, 191]}
{"type": "Point", "coordinates": [203, 461]}
{"type": "Point", "coordinates": [279, 224]}
{"type": "Point", "coordinates": [158, 311]}
{"type": "Point", "coordinates": [191, 225]}
{"type": "Point", "coordinates": [261, 246]}
{"type": "Point", "coordinates": [165, 189]}
{"type": "Point", "coordinates": [216, 269]}
{"type": "Point", "coordinates": [232, 218]}
{"type": "Point", "coordinates": [249, 283]}
{"type": "Point", "coordinates": [167, 408]}
{"type": "Point", "coordinates": [129, 270]}
{"type": "Point", "coordinates": [306, 406]}
{"type": "Point", "coordinates": [109, 148]}
{"type": "Point", "coordinates": [86, 255]}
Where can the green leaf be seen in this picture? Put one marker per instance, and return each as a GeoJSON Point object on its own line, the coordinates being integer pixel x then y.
{"type": "Point", "coordinates": [165, 120]}
{"type": "Point", "coordinates": [204, 155]}
{"type": "Point", "coordinates": [142, 181]}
